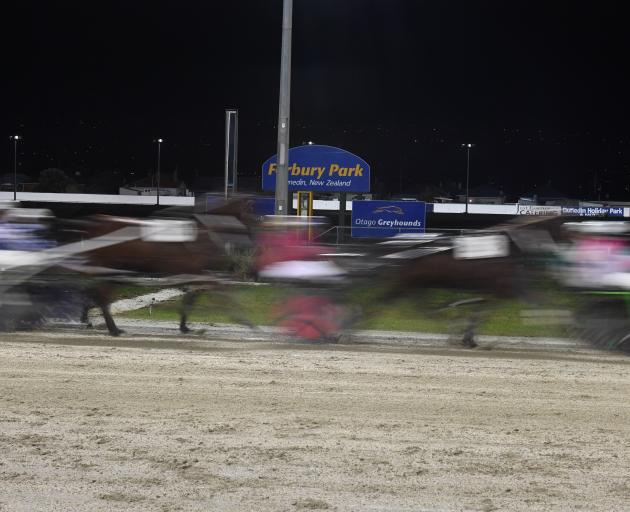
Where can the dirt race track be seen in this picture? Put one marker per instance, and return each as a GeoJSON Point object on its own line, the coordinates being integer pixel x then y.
{"type": "Point", "coordinates": [88, 423]}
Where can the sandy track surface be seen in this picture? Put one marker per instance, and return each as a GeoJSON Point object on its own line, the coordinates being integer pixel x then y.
{"type": "Point", "coordinates": [253, 426]}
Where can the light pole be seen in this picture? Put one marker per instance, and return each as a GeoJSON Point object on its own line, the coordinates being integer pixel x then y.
{"type": "Point", "coordinates": [159, 155]}
{"type": "Point", "coordinates": [15, 139]}
{"type": "Point", "coordinates": [467, 146]}
{"type": "Point", "coordinates": [282, 206]}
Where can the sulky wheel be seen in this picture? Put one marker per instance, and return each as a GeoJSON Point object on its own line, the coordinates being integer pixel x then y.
{"type": "Point", "coordinates": [604, 323]}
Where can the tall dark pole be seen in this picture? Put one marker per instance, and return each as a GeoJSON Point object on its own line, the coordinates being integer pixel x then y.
{"type": "Point", "coordinates": [231, 150]}
{"type": "Point", "coordinates": [159, 155]}
{"type": "Point", "coordinates": [227, 154]}
{"type": "Point", "coordinates": [467, 146]}
{"type": "Point", "coordinates": [282, 175]}
{"type": "Point", "coordinates": [15, 139]}
{"type": "Point", "coordinates": [467, 174]}
{"type": "Point", "coordinates": [235, 164]}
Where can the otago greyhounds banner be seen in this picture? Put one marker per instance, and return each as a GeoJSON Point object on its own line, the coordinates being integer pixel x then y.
{"type": "Point", "coordinates": [387, 218]}
{"type": "Point", "coordinates": [320, 168]}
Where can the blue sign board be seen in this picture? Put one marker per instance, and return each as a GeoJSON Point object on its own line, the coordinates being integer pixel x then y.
{"type": "Point", "coordinates": [320, 168]}
{"type": "Point", "coordinates": [387, 218]}
{"type": "Point", "coordinates": [593, 211]}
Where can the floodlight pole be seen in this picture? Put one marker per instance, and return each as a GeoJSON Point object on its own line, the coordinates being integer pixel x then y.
{"type": "Point", "coordinates": [159, 155]}
{"type": "Point", "coordinates": [467, 146]}
{"type": "Point", "coordinates": [231, 141]}
{"type": "Point", "coordinates": [15, 139]}
{"type": "Point", "coordinates": [282, 206]}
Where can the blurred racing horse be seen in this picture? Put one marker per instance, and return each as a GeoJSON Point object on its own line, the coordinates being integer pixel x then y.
{"type": "Point", "coordinates": [178, 247]}
{"type": "Point", "coordinates": [497, 263]}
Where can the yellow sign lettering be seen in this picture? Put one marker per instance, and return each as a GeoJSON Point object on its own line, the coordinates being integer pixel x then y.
{"type": "Point", "coordinates": [335, 169]}
{"type": "Point", "coordinates": [355, 171]}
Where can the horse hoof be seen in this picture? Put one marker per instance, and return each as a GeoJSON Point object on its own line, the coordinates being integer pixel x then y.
{"type": "Point", "coordinates": [116, 333]}
{"type": "Point", "coordinates": [184, 329]}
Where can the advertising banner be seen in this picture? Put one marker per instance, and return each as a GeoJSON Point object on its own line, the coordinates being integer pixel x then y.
{"type": "Point", "coordinates": [320, 168]}
{"type": "Point", "coordinates": [593, 211]}
{"type": "Point", "coordinates": [526, 209]}
{"type": "Point", "coordinates": [387, 218]}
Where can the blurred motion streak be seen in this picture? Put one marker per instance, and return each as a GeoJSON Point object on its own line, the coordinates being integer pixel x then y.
{"type": "Point", "coordinates": [312, 309]}
{"type": "Point", "coordinates": [180, 247]}
{"type": "Point", "coordinates": [55, 268]}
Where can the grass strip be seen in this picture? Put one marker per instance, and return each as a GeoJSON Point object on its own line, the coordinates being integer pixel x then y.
{"type": "Point", "coordinates": [424, 313]}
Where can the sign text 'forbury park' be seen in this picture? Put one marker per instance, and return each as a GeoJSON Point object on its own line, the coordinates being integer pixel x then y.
{"type": "Point", "coordinates": [320, 168]}
{"type": "Point", "coordinates": [321, 176]}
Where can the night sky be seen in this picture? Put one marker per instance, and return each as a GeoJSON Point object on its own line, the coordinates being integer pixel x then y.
{"type": "Point", "coordinates": [540, 87]}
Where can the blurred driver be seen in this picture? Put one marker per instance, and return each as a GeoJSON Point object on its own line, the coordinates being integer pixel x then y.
{"type": "Point", "coordinates": [285, 253]}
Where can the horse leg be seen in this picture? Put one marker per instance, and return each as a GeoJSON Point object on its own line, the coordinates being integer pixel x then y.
{"type": "Point", "coordinates": [469, 334]}
{"type": "Point", "coordinates": [109, 321]}
{"type": "Point", "coordinates": [102, 301]}
{"type": "Point", "coordinates": [85, 317]}
{"type": "Point", "coordinates": [227, 303]}
{"type": "Point", "coordinates": [232, 307]}
{"type": "Point", "coordinates": [188, 301]}
{"type": "Point", "coordinates": [468, 338]}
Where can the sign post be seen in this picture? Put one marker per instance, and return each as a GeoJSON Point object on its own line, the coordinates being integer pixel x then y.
{"type": "Point", "coordinates": [231, 150]}
{"type": "Point", "coordinates": [282, 206]}
{"type": "Point", "coordinates": [305, 204]}
{"type": "Point", "coordinates": [342, 216]}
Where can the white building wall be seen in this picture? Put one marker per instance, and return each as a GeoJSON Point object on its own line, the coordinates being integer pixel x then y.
{"type": "Point", "coordinates": [97, 198]}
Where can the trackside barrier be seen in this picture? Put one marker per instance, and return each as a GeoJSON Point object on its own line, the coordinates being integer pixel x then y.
{"type": "Point", "coordinates": [50, 197]}
{"type": "Point", "coordinates": [318, 204]}
{"type": "Point", "coordinates": [341, 235]}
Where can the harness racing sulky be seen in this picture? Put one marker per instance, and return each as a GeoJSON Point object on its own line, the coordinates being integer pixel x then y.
{"type": "Point", "coordinates": [54, 268]}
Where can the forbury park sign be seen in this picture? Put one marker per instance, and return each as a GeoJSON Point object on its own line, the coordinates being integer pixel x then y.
{"type": "Point", "coordinates": [320, 168]}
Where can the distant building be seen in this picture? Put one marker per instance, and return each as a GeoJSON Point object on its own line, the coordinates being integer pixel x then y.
{"type": "Point", "coordinates": [438, 193]}
{"type": "Point", "coordinates": [216, 184]}
{"type": "Point", "coordinates": [548, 196]}
{"type": "Point", "coordinates": [24, 183]}
{"type": "Point", "coordinates": [528, 201]}
{"type": "Point", "coordinates": [484, 194]}
{"type": "Point", "coordinates": [148, 187]}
